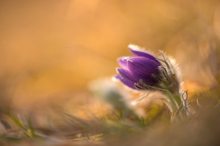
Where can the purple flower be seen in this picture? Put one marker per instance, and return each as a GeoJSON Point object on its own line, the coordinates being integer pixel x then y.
{"type": "Point", "coordinates": [144, 71]}
{"type": "Point", "coordinates": [140, 71]}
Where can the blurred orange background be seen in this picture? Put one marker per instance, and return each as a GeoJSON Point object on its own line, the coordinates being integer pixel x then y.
{"type": "Point", "coordinates": [52, 48]}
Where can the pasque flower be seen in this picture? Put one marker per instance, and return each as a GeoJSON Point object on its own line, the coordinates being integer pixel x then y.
{"type": "Point", "coordinates": [140, 71]}
{"type": "Point", "coordinates": [144, 71]}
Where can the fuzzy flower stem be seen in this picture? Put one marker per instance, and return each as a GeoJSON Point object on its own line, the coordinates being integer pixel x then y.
{"type": "Point", "coordinates": [179, 105]}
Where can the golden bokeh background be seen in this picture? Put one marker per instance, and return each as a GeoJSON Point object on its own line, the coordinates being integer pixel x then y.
{"type": "Point", "coordinates": [50, 49]}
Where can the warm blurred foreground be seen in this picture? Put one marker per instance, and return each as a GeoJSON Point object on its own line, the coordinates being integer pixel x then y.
{"type": "Point", "coordinates": [59, 128]}
{"type": "Point", "coordinates": [51, 51]}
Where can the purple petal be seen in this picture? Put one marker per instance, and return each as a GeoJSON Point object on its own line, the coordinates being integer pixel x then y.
{"type": "Point", "coordinates": [123, 62]}
{"type": "Point", "coordinates": [126, 74]}
{"type": "Point", "coordinates": [136, 50]}
{"type": "Point", "coordinates": [143, 68]}
{"type": "Point", "coordinates": [125, 81]}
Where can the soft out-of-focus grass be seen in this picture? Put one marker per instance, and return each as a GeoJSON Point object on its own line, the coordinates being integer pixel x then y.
{"type": "Point", "coordinates": [50, 50]}
{"type": "Point", "coordinates": [200, 129]}
{"type": "Point", "coordinates": [116, 127]}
